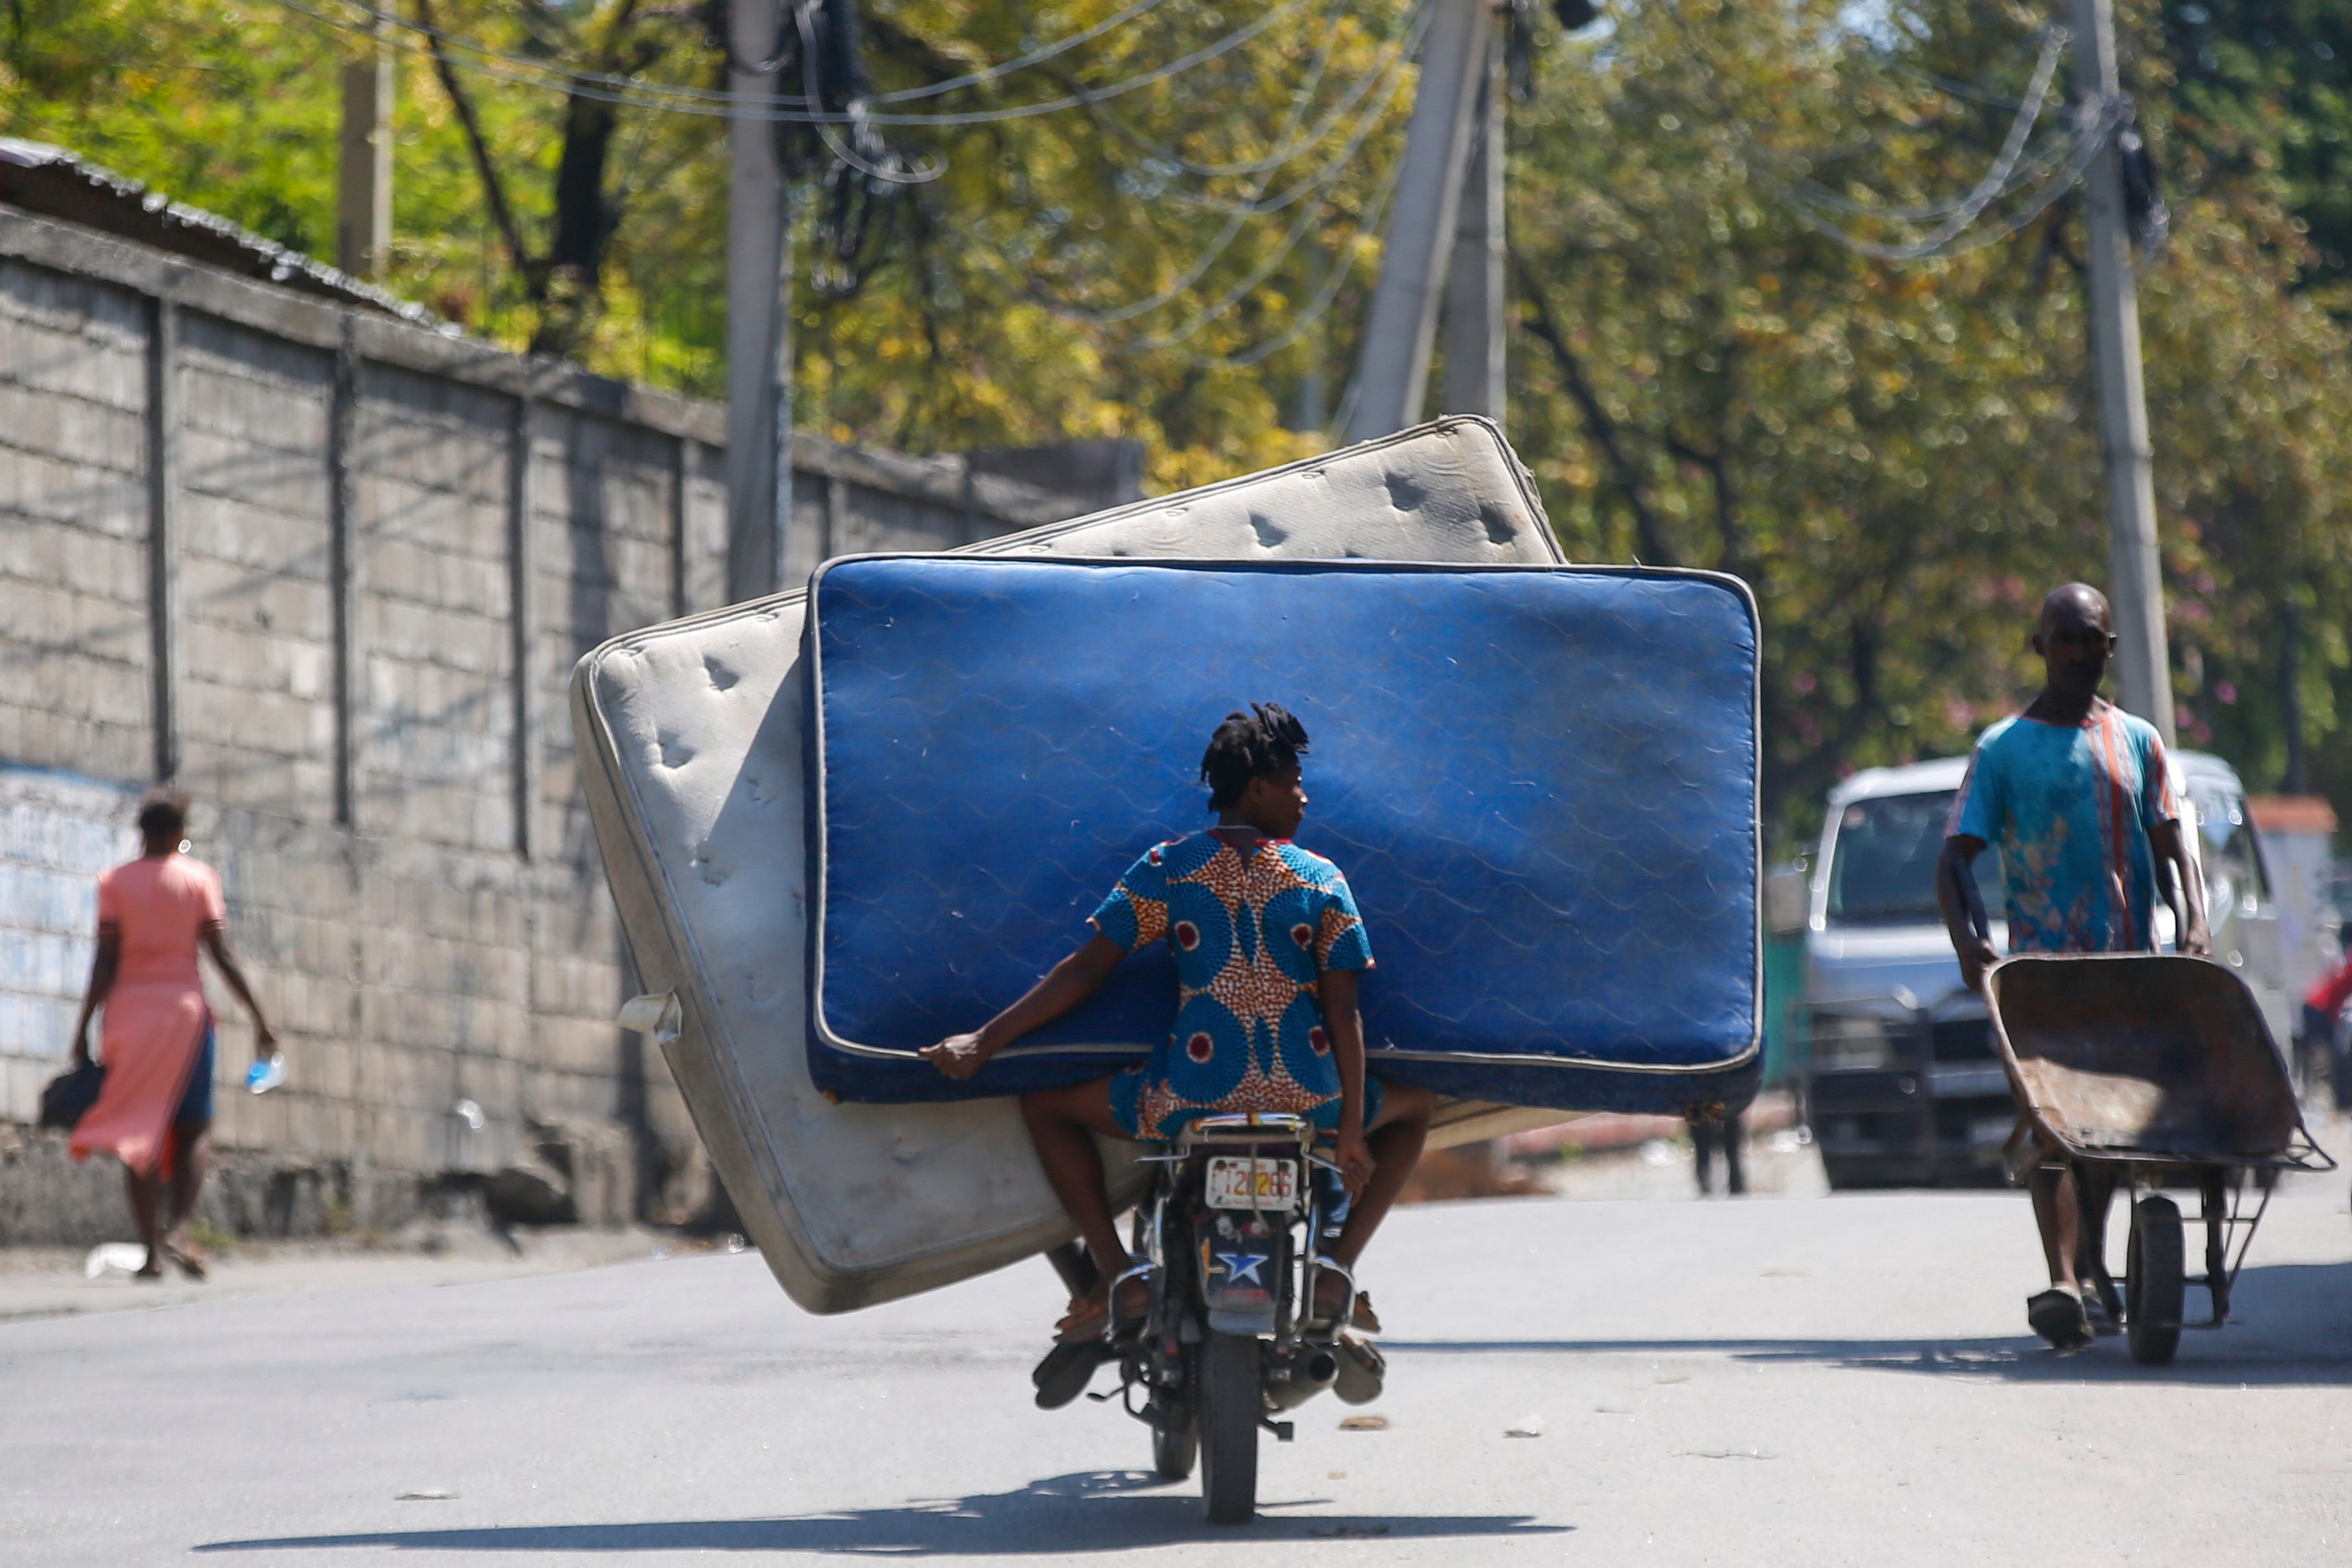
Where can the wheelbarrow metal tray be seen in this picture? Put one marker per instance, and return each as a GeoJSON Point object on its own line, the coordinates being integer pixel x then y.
{"type": "Point", "coordinates": [1541, 783]}
{"type": "Point", "coordinates": [689, 750]}
{"type": "Point", "coordinates": [2146, 1057]}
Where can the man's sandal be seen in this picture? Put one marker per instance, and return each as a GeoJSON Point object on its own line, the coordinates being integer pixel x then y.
{"type": "Point", "coordinates": [2058, 1316]}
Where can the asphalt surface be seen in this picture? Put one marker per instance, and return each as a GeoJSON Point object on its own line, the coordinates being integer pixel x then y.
{"type": "Point", "coordinates": [1815, 1380]}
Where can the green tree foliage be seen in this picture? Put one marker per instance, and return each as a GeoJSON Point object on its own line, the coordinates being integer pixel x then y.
{"type": "Point", "coordinates": [1148, 265]}
{"type": "Point", "coordinates": [1140, 266]}
{"type": "Point", "coordinates": [237, 108]}
{"type": "Point", "coordinates": [1900, 457]}
{"type": "Point", "coordinates": [2263, 90]}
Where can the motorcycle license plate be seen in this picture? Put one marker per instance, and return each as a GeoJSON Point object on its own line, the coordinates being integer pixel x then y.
{"type": "Point", "coordinates": [1242, 1183]}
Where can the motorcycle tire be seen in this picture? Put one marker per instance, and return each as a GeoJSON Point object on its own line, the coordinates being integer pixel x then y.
{"type": "Point", "coordinates": [1231, 1401]}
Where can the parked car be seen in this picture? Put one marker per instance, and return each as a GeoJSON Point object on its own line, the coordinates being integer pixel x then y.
{"type": "Point", "coordinates": [1900, 1082]}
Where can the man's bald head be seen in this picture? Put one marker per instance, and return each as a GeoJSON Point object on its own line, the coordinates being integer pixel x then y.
{"type": "Point", "coordinates": [2075, 637]}
{"type": "Point", "coordinates": [2075, 604]}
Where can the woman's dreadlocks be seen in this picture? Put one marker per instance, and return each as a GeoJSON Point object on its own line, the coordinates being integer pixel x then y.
{"type": "Point", "coordinates": [1261, 743]}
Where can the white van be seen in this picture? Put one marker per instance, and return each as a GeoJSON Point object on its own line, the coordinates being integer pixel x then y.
{"type": "Point", "coordinates": [1901, 1084]}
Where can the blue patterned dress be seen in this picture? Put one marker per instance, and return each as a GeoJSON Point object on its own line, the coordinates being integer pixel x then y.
{"type": "Point", "coordinates": [1252, 935]}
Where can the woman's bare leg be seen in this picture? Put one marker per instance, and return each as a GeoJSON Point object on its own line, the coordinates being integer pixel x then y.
{"type": "Point", "coordinates": [146, 1194]}
{"type": "Point", "coordinates": [1062, 1123]}
{"type": "Point", "coordinates": [193, 1159]}
{"type": "Point", "coordinates": [1395, 1137]}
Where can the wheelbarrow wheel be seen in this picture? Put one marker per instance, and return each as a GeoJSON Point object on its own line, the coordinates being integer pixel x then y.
{"type": "Point", "coordinates": [2156, 1282]}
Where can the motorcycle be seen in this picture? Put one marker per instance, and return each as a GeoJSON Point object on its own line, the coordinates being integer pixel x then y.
{"type": "Point", "coordinates": [1229, 1237]}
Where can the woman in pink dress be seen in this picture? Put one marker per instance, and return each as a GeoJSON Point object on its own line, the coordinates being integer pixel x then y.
{"type": "Point", "coordinates": [155, 1110]}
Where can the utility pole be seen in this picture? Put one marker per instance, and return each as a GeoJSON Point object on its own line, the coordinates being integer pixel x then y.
{"type": "Point", "coordinates": [759, 317]}
{"type": "Point", "coordinates": [1392, 372]}
{"type": "Point", "coordinates": [2135, 582]}
{"type": "Point", "coordinates": [1475, 330]}
{"type": "Point", "coordinates": [364, 196]}
{"type": "Point", "coordinates": [2298, 777]}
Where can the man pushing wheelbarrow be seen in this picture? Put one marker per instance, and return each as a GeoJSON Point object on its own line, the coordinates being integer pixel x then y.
{"type": "Point", "coordinates": [2078, 795]}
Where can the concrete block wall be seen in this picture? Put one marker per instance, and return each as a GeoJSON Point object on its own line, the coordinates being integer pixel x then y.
{"type": "Point", "coordinates": [73, 494]}
{"type": "Point", "coordinates": [331, 572]}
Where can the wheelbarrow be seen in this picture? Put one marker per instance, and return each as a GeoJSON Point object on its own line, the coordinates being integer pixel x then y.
{"type": "Point", "coordinates": [2161, 1065]}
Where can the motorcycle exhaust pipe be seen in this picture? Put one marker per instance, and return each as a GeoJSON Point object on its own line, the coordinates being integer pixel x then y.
{"type": "Point", "coordinates": [1301, 1376]}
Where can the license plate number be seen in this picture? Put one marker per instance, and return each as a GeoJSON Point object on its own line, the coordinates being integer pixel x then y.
{"type": "Point", "coordinates": [1243, 1183]}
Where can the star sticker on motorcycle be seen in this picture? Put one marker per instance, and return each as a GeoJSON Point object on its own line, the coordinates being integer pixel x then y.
{"type": "Point", "coordinates": [1243, 1267]}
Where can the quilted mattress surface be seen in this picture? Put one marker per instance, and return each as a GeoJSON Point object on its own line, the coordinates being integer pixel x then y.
{"type": "Point", "coordinates": [690, 757]}
{"type": "Point", "coordinates": [1541, 783]}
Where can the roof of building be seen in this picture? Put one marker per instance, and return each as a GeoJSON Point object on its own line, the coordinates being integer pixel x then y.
{"type": "Point", "coordinates": [59, 184]}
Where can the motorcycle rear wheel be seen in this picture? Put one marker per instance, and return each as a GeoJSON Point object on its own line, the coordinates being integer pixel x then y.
{"type": "Point", "coordinates": [1230, 1401]}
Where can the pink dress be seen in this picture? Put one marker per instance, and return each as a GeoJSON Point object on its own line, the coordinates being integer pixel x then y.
{"type": "Point", "coordinates": [155, 1013]}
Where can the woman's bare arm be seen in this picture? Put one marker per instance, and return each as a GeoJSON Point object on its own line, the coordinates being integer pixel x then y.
{"type": "Point", "coordinates": [1065, 986]}
{"type": "Point", "coordinates": [265, 1038]}
{"type": "Point", "coordinates": [103, 965]}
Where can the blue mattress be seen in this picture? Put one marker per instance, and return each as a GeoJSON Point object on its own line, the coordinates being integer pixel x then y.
{"type": "Point", "coordinates": [1540, 783]}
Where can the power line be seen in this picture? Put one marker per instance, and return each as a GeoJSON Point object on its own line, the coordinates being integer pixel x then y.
{"type": "Point", "coordinates": [1237, 218]}
{"type": "Point", "coordinates": [1321, 181]}
{"type": "Point", "coordinates": [1234, 294]}
{"type": "Point", "coordinates": [890, 169]}
{"type": "Point", "coordinates": [1317, 307]}
{"type": "Point", "coordinates": [1290, 143]}
{"type": "Point", "coordinates": [762, 107]}
{"type": "Point", "coordinates": [1322, 177]}
{"type": "Point", "coordinates": [1995, 184]}
{"type": "Point", "coordinates": [2093, 127]}
{"type": "Point", "coordinates": [1037, 56]}
{"type": "Point", "coordinates": [1416, 23]}
{"type": "Point", "coordinates": [2010, 173]}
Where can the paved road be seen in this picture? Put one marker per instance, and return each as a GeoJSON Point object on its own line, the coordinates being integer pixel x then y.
{"type": "Point", "coordinates": [1801, 1380]}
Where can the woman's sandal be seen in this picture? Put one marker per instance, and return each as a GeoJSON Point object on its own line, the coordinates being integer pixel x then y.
{"type": "Point", "coordinates": [188, 1263]}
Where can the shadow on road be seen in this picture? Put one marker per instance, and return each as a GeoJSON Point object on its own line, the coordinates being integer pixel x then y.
{"type": "Point", "coordinates": [2284, 1331]}
{"type": "Point", "coordinates": [1114, 1510]}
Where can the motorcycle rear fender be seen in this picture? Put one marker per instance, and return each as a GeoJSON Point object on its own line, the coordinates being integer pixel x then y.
{"type": "Point", "coordinates": [1244, 1257]}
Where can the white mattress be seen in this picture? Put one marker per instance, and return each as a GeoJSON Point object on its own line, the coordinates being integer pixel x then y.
{"type": "Point", "coordinates": [689, 738]}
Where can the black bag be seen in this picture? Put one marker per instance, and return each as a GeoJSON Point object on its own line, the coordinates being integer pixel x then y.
{"type": "Point", "coordinates": [69, 1095]}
